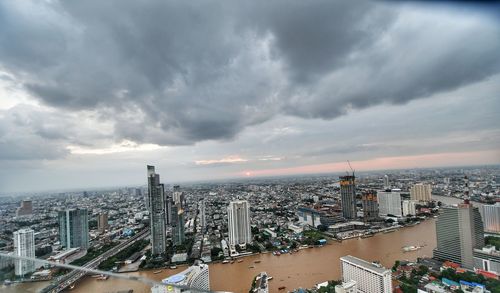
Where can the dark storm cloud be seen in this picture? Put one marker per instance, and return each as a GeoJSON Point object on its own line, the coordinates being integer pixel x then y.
{"type": "Point", "coordinates": [26, 134]}
{"type": "Point", "coordinates": [176, 73]}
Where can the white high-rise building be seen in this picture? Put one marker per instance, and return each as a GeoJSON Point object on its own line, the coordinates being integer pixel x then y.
{"type": "Point", "coordinates": [421, 192]}
{"type": "Point", "coordinates": [389, 203]}
{"type": "Point", "coordinates": [387, 183]}
{"type": "Point", "coordinates": [491, 218]}
{"type": "Point", "coordinates": [369, 277]}
{"type": "Point", "coordinates": [196, 277]}
{"type": "Point", "coordinates": [409, 207]}
{"type": "Point", "coordinates": [24, 245]}
{"type": "Point", "coordinates": [238, 216]}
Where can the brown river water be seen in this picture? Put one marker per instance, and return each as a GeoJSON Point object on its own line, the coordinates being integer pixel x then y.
{"type": "Point", "coordinates": [303, 269]}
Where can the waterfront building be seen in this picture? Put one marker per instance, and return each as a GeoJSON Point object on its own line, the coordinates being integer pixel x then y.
{"type": "Point", "coordinates": [421, 192]}
{"type": "Point", "coordinates": [74, 228]}
{"type": "Point", "coordinates": [347, 287]}
{"type": "Point", "coordinates": [238, 215]}
{"type": "Point", "coordinates": [370, 205]}
{"type": "Point", "coordinates": [25, 209]}
{"type": "Point", "coordinates": [369, 277]}
{"type": "Point", "coordinates": [102, 222]}
{"type": "Point", "coordinates": [491, 217]}
{"type": "Point", "coordinates": [409, 207]}
{"type": "Point", "coordinates": [389, 203]}
{"type": "Point", "coordinates": [487, 259]}
{"type": "Point", "coordinates": [459, 230]}
{"type": "Point", "coordinates": [348, 196]}
{"type": "Point", "coordinates": [196, 276]}
{"type": "Point", "coordinates": [24, 246]}
{"type": "Point", "coordinates": [157, 213]}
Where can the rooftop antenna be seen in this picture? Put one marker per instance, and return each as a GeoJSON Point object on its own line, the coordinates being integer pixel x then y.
{"type": "Point", "coordinates": [352, 170]}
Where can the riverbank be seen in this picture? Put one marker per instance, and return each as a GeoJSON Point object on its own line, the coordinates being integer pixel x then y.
{"type": "Point", "coordinates": [303, 269]}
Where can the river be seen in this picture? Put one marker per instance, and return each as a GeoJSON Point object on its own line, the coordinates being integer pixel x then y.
{"type": "Point", "coordinates": [303, 269]}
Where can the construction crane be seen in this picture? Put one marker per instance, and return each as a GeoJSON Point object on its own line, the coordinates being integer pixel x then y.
{"type": "Point", "coordinates": [352, 170]}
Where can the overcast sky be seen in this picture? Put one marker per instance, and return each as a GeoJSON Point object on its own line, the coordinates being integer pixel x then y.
{"type": "Point", "coordinates": [92, 91]}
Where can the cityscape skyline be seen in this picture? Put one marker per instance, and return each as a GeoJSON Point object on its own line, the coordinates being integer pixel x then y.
{"type": "Point", "coordinates": [279, 224]}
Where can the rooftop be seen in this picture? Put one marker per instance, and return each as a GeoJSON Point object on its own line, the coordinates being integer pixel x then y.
{"type": "Point", "coordinates": [377, 268]}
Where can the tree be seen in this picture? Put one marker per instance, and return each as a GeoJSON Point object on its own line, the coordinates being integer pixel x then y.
{"type": "Point", "coordinates": [214, 252]}
{"type": "Point", "coordinates": [395, 266]}
{"type": "Point", "coordinates": [422, 270]}
{"type": "Point", "coordinates": [322, 228]}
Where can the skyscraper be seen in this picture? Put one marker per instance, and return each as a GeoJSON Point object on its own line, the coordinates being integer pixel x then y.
{"type": "Point", "coordinates": [348, 196]}
{"type": "Point", "coordinates": [389, 203]}
{"type": "Point", "coordinates": [157, 212]}
{"type": "Point", "coordinates": [24, 245]}
{"type": "Point", "coordinates": [369, 277]}
{"type": "Point", "coordinates": [491, 216]}
{"type": "Point", "coordinates": [459, 229]}
{"type": "Point", "coordinates": [387, 183]}
{"type": "Point", "coordinates": [25, 209]}
{"type": "Point", "coordinates": [421, 192]}
{"type": "Point", "coordinates": [370, 205]}
{"type": "Point", "coordinates": [102, 222]}
{"type": "Point", "coordinates": [74, 228]}
{"type": "Point", "coordinates": [178, 234]}
{"type": "Point", "coordinates": [177, 216]}
{"type": "Point", "coordinates": [238, 216]}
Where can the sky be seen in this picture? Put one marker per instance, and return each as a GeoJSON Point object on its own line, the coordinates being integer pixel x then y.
{"type": "Point", "coordinates": [93, 91]}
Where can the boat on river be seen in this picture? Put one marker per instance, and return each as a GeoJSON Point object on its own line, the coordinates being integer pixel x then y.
{"type": "Point", "coordinates": [411, 248]}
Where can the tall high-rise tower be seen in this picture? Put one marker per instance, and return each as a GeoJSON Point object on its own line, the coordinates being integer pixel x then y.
{"type": "Point", "coordinates": [348, 196]}
{"type": "Point", "coordinates": [387, 183]}
{"type": "Point", "coordinates": [238, 216]}
{"type": "Point", "coordinates": [459, 229]}
{"type": "Point", "coordinates": [157, 212]}
{"type": "Point", "coordinates": [24, 245]}
{"type": "Point", "coordinates": [370, 205]}
{"type": "Point", "coordinates": [74, 228]}
{"type": "Point", "coordinates": [177, 216]}
{"type": "Point", "coordinates": [102, 222]}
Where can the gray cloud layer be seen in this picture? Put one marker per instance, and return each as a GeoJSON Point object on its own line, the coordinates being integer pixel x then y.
{"type": "Point", "coordinates": [177, 73]}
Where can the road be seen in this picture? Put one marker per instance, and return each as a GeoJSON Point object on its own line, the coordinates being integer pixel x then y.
{"type": "Point", "coordinates": [73, 276]}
